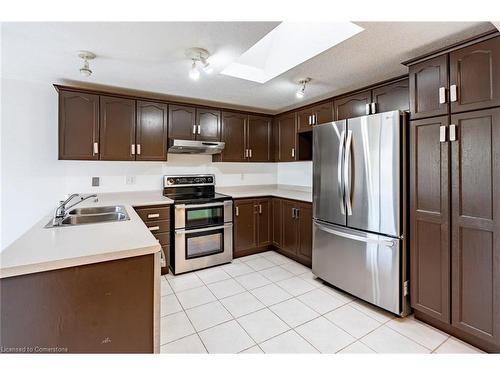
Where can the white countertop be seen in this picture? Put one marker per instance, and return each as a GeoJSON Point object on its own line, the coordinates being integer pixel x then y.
{"type": "Point", "coordinates": [300, 193]}
{"type": "Point", "coordinates": [43, 249]}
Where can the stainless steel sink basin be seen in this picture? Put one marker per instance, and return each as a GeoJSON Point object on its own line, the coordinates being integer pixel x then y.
{"type": "Point", "coordinates": [91, 215]}
{"type": "Point", "coordinates": [97, 210]}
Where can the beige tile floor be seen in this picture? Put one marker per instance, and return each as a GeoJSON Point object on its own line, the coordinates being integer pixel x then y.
{"type": "Point", "coordinates": [267, 303]}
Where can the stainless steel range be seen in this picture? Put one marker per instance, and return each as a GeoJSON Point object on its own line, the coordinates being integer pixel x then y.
{"type": "Point", "coordinates": [202, 234]}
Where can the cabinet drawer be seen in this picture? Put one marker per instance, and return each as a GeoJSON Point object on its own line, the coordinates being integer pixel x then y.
{"type": "Point", "coordinates": [163, 238]}
{"type": "Point", "coordinates": [160, 226]}
{"type": "Point", "coordinates": [154, 213]}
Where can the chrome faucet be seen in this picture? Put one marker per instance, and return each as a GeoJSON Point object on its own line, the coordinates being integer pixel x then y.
{"type": "Point", "coordinates": [60, 211]}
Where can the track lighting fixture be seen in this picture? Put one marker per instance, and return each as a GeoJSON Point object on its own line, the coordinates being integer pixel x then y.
{"type": "Point", "coordinates": [86, 56]}
{"type": "Point", "coordinates": [302, 90]}
{"type": "Point", "coordinates": [199, 58]}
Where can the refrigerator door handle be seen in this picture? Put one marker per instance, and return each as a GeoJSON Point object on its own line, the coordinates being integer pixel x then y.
{"type": "Point", "coordinates": [347, 182]}
{"type": "Point", "coordinates": [353, 236]}
{"type": "Point", "coordinates": [339, 172]}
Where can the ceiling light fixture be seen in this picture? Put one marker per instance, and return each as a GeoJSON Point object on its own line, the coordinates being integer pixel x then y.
{"type": "Point", "coordinates": [302, 90]}
{"type": "Point", "coordinates": [199, 57]}
{"type": "Point", "coordinates": [86, 56]}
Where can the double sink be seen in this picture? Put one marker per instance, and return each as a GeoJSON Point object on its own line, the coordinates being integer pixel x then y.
{"type": "Point", "coordinates": [91, 215]}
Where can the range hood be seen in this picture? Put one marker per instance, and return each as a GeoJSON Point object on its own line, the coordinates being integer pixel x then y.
{"type": "Point", "coordinates": [181, 146]}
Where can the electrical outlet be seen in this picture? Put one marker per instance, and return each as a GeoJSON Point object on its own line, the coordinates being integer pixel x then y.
{"type": "Point", "coordinates": [130, 180]}
{"type": "Point", "coordinates": [95, 181]}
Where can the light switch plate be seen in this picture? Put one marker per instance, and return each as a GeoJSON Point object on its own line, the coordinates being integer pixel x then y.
{"type": "Point", "coordinates": [130, 180]}
{"type": "Point", "coordinates": [95, 181]}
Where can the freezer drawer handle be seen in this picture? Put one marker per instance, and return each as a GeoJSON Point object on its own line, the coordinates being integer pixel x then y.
{"type": "Point", "coordinates": [354, 237]}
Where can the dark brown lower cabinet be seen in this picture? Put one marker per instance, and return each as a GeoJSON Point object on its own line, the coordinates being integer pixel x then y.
{"type": "Point", "coordinates": [277, 214]}
{"type": "Point", "coordinates": [455, 208]}
{"type": "Point", "coordinates": [105, 307]}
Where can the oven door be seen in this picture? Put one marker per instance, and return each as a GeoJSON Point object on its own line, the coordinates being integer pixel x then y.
{"type": "Point", "coordinates": [189, 216]}
{"type": "Point", "coordinates": [203, 247]}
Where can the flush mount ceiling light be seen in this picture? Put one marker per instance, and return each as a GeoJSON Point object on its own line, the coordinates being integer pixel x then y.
{"type": "Point", "coordinates": [86, 56]}
{"type": "Point", "coordinates": [302, 90]}
{"type": "Point", "coordinates": [199, 58]}
{"type": "Point", "coordinates": [288, 45]}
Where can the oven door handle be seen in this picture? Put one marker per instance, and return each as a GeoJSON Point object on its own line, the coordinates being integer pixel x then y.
{"type": "Point", "coordinates": [184, 231]}
{"type": "Point", "coordinates": [201, 205]}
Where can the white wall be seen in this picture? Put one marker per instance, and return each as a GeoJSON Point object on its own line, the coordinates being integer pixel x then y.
{"type": "Point", "coordinates": [33, 180]}
{"type": "Point", "coordinates": [298, 173]}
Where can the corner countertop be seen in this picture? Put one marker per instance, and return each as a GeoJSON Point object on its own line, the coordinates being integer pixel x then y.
{"type": "Point", "coordinates": [300, 193]}
{"type": "Point", "coordinates": [44, 249]}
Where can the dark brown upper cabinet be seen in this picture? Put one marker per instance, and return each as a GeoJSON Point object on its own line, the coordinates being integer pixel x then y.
{"type": "Point", "coordinates": [318, 114]}
{"type": "Point", "coordinates": [392, 97]}
{"type": "Point", "coordinates": [182, 122]}
{"type": "Point", "coordinates": [117, 128]}
{"type": "Point", "coordinates": [208, 124]}
{"type": "Point", "coordinates": [151, 131]}
{"type": "Point", "coordinates": [287, 135]}
{"type": "Point", "coordinates": [475, 239]}
{"type": "Point", "coordinates": [475, 76]}
{"type": "Point", "coordinates": [78, 126]}
{"type": "Point", "coordinates": [354, 105]}
{"type": "Point", "coordinates": [429, 88]}
{"type": "Point", "coordinates": [429, 218]}
{"type": "Point", "coordinates": [234, 127]}
{"type": "Point", "coordinates": [259, 131]}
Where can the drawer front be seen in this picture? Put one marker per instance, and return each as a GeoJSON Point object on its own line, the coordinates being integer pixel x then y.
{"type": "Point", "coordinates": [163, 238]}
{"type": "Point", "coordinates": [158, 226]}
{"type": "Point", "coordinates": [153, 214]}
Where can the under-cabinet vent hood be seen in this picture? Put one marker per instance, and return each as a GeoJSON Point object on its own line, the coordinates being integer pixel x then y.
{"type": "Point", "coordinates": [181, 146]}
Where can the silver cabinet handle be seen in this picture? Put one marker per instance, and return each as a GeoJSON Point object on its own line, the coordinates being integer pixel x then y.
{"type": "Point", "coordinates": [367, 108]}
{"type": "Point", "coordinates": [373, 108]}
{"type": "Point", "coordinates": [163, 258]}
{"type": "Point", "coordinates": [246, 152]}
{"type": "Point", "coordinates": [339, 172]}
{"type": "Point", "coordinates": [138, 148]}
{"type": "Point", "coordinates": [260, 208]}
{"type": "Point", "coordinates": [152, 216]}
{"type": "Point", "coordinates": [453, 133]}
{"type": "Point", "coordinates": [293, 213]}
{"type": "Point", "coordinates": [250, 153]}
{"type": "Point", "coordinates": [194, 129]}
{"type": "Point", "coordinates": [293, 152]}
{"type": "Point", "coordinates": [347, 183]}
{"type": "Point", "coordinates": [297, 213]}
{"type": "Point", "coordinates": [309, 120]}
{"type": "Point", "coordinates": [237, 213]}
{"type": "Point", "coordinates": [182, 231]}
{"type": "Point", "coordinates": [132, 149]}
{"type": "Point", "coordinates": [95, 149]}
{"type": "Point", "coordinates": [442, 133]}
{"type": "Point", "coordinates": [442, 95]}
{"type": "Point", "coordinates": [453, 93]}
{"type": "Point", "coordinates": [353, 236]}
{"type": "Point", "coordinates": [156, 227]}
{"type": "Point", "coordinates": [199, 129]}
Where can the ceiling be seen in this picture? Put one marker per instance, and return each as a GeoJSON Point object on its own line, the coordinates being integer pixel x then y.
{"type": "Point", "coordinates": [150, 57]}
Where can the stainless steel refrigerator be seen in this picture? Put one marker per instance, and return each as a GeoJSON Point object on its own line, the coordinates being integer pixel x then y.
{"type": "Point", "coordinates": [359, 208]}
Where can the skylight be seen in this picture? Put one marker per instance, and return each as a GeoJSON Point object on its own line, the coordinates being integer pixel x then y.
{"type": "Point", "coordinates": [288, 45]}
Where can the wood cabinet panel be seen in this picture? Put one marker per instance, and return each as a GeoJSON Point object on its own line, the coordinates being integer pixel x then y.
{"type": "Point", "coordinates": [181, 122]}
{"type": "Point", "coordinates": [352, 105]}
{"type": "Point", "coordinates": [392, 97]}
{"type": "Point", "coordinates": [234, 136]}
{"type": "Point", "coordinates": [287, 137]}
{"type": "Point", "coordinates": [78, 125]}
{"type": "Point", "coordinates": [290, 234]}
{"type": "Point", "coordinates": [475, 199]}
{"type": "Point", "coordinates": [304, 248]}
{"type": "Point", "coordinates": [245, 225]}
{"type": "Point", "coordinates": [426, 79]}
{"type": "Point", "coordinates": [475, 70]}
{"type": "Point", "coordinates": [264, 221]}
{"type": "Point", "coordinates": [323, 113]}
{"type": "Point", "coordinates": [259, 138]}
{"type": "Point", "coordinates": [429, 219]}
{"type": "Point", "coordinates": [151, 131]}
{"type": "Point", "coordinates": [277, 219]}
{"type": "Point", "coordinates": [117, 128]}
{"type": "Point", "coordinates": [209, 122]}
{"type": "Point", "coordinates": [305, 119]}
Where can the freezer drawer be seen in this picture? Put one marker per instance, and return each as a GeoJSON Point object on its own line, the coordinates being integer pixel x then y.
{"type": "Point", "coordinates": [366, 265]}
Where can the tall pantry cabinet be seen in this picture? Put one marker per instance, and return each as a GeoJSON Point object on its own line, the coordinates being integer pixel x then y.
{"type": "Point", "coordinates": [455, 191]}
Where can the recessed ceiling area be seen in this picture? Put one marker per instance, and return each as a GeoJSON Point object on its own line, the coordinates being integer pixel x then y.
{"type": "Point", "coordinates": [151, 57]}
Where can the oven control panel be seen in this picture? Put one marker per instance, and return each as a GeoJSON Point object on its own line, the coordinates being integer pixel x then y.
{"type": "Point", "coordinates": [189, 180]}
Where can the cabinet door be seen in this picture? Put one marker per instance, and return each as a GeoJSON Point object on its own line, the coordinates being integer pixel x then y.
{"type": "Point", "coordinates": [475, 71]}
{"type": "Point", "coordinates": [245, 225]}
{"type": "Point", "coordinates": [208, 121]}
{"type": "Point", "coordinates": [290, 232]}
{"type": "Point", "coordinates": [323, 113]}
{"type": "Point", "coordinates": [426, 80]}
{"type": "Point", "coordinates": [429, 219]}
{"type": "Point", "coordinates": [181, 122]}
{"type": "Point", "coordinates": [259, 138]}
{"type": "Point", "coordinates": [304, 250]}
{"type": "Point", "coordinates": [287, 137]}
{"type": "Point", "coordinates": [151, 131]}
{"type": "Point", "coordinates": [305, 119]}
{"type": "Point", "coordinates": [352, 105]}
{"type": "Point", "coordinates": [277, 214]}
{"type": "Point", "coordinates": [475, 234]}
{"type": "Point", "coordinates": [78, 125]}
{"type": "Point", "coordinates": [234, 136]}
{"type": "Point", "coordinates": [264, 233]}
{"type": "Point", "coordinates": [117, 128]}
{"type": "Point", "coordinates": [392, 97]}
